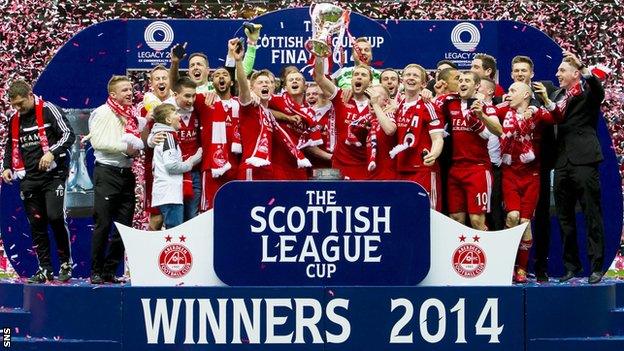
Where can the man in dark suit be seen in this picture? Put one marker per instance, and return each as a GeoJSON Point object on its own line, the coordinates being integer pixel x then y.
{"type": "Point", "coordinates": [576, 164]}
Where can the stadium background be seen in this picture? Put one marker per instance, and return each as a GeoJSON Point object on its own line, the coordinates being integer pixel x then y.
{"type": "Point", "coordinates": [31, 32]}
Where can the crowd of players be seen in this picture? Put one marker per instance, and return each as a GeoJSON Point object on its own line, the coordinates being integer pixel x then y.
{"type": "Point", "coordinates": [483, 155]}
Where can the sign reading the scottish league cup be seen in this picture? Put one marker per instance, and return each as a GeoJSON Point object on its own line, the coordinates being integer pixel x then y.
{"type": "Point", "coordinates": [321, 233]}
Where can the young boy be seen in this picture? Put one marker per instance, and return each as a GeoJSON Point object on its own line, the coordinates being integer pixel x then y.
{"type": "Point", "coordinates": [168, 167]}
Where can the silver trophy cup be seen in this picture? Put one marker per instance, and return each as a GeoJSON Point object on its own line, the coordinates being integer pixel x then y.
{"type": "Point", "coordinates": [327, 19]}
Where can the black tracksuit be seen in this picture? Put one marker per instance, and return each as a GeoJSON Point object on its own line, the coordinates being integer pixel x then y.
{"type": "Point", "coordinates": [43, 192]}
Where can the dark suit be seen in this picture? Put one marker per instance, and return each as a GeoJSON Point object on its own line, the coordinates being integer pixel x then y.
{"type": "Point", "coordinates": [576, 174]}
{"type": "Point", "coordinates": [547, 153]}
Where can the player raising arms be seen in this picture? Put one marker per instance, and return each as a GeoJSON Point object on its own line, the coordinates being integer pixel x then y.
{"type": "Point", "coordinates": [220, 137]}
{"type": "Point", "coordinates": [351, 117]}
{"type": "Point", "coordinates": [257, 123]}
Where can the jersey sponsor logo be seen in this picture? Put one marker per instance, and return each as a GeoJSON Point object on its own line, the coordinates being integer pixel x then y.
{"type": "Point", "coordinates": [158, 35]}
{"type": "Point", "coordinates": [175, 260]}
{"type": "Point", "coordinates": [187, 134]}
{"type": "Point", "coordinates": [457, 37]}
{"type": "Point", "coordinates": [469, 260]}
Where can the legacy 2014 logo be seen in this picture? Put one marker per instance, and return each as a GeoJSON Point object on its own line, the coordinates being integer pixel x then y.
{"type": "Point", "coordinates": [158, 36]}
{"type": "Point", "coordinates": [465, 37]}
{"type": "Point", "coordinates": [474, 35]}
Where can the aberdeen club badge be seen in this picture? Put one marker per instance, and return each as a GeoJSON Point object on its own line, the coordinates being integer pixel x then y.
{"type": "Point", "coordinates": [469, 259]}
{"type": "Point", "coordinates": [175, 260]}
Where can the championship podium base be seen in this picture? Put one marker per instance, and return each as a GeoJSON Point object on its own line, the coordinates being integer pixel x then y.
{"type": "Point", "coordinates": [81, 316]}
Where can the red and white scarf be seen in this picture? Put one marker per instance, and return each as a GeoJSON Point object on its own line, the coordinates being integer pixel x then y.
{"type": "Point", "coordinates": [575, 90]}
{"type": "Point", "coordinates": [371, 145]}
{"type": "Point", "coordinates": [357, 129]}
{"type": "Point", "coordinates": [261, 155]}
{"type": "Point", "coordinates": [128, 116]}
{"type": "Point", "coordinates": [324, 127]}
{"type": "Point", "coordinates": [286, 104]}
{"type": "Point", "coordinates": [18, 162]}
{"type": "Point", "coordinates": [219, 156]}
{"type": "Point", "coordinates": [517, 135]}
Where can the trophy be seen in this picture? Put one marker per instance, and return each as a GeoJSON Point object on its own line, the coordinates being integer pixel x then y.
{"type": "Point", "coordinates": [327, 20]}
{"type": "Point", "coordinates": [79, 187]}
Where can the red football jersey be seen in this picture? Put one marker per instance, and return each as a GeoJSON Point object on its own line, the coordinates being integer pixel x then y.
{"type": "Point", "coordinates": [281, 156]}
{"type": "Point", "coordinates": [250, 119]}
{"type": "Point", "coordinates": [325, 116]}
{"type": "Point", "coordinates": [189, 132]}
{"type": "Point", "coordinates": [530, 130]}
{"type": "Point", "coordinates": [470, 137]}
{"type": "Point", "coordinates": [345, 115]}
{"type": "Point", "coordinates": [417, 120]}
{"type": "Point", "coordinates": [386, 166]}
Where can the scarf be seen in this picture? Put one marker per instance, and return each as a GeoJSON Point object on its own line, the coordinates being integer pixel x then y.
{"type": "Point", "coordinates": [517, 135]}
{"type": "Point", "coordinates": [18, 163]}
{"type": "Point", "coordinates": [286, 104]}
{"type": "Point", "coordinates": [219, 160]}
{"type": "Point", "coordinates": [236, 144]}
{"type": "Point", "coordinates": [358, 128]}
{"type": "Point", "coordinates": [127, 115]}
{"type": "Point", "coordinates": [371, 145]}
{"type": "Point", "coordinates": [261, 155]}
{"type": "Point", "coordinates": [575, 90]}
{"type": "Point", "coordinates": [324, 127]}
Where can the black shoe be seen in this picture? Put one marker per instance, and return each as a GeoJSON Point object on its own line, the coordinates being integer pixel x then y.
{"type": "Point", "coordinates": [96, 278]}
{"type": "Point", "coordinates": [569, 275]}
{"type": "Point", "coordinates": [65, 273]}
{"type": "Point", "coordinates": [595, 278]}
{"type": "Point", "coordinates": [110, 278]}
{"type": "Point", "coordinates": [542, 277]}
{"type": "Point", "coordinates": [42, 276]}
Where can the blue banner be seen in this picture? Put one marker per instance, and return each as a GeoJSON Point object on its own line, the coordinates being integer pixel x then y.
{"type": "Point", "coordinates": [321, 233]}
{"type": "Point", "coordinates": [323, 319]}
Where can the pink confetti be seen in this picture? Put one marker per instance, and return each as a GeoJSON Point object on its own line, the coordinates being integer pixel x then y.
{"type": "Point", "coordinates": [40, 296]}
{"type": "Point", "coordinates": [271, 201]}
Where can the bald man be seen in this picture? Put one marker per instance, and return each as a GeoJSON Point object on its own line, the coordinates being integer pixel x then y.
{"type": "Point", "coordinates": [522, 125]}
